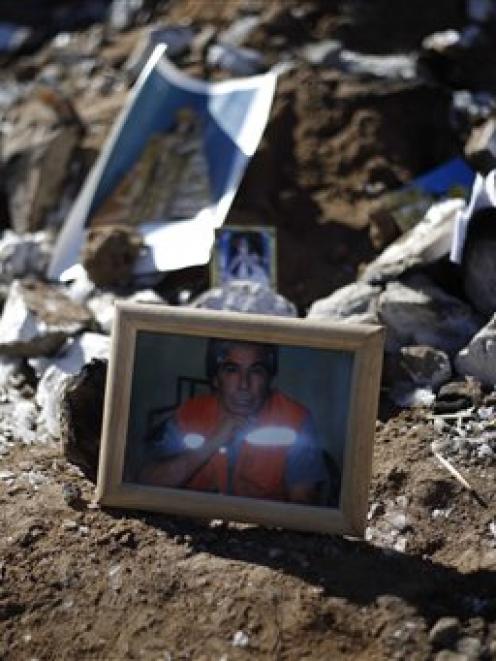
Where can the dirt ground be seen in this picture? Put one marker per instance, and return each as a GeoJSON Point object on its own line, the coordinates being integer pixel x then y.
{"type": "Point", "coordinates": [80, 582]}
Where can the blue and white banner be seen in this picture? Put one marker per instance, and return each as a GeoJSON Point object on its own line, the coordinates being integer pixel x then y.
{"type": "Point", "coordinates": [201, 135]}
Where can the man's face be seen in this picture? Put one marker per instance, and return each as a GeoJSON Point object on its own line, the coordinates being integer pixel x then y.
{"type": "Point", "coordinates": [243, 380]}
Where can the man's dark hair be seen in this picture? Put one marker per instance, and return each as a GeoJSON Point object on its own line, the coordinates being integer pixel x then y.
{"type": "Point", "coordinates": [217, 350]}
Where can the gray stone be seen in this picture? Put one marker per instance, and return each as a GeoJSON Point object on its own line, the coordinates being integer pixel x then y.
{"type": "Point", "coordinates": [478, 358]}
{"type": "Point", "coordinates": [57, 373]}
{"type": "Point", "coordinates": [103, 305]}
{"type": "Point", "coordinates": [358, 298]}
{"type": "Point", "coordinates": [245, 296]}
{"type": "Point", "coordinates": [445, 632]}
{"type": "Point", "coordinates": [449, 655]}
{"type": "Point", "coordinates": [24, 255]}
{"type": "Point", "coordinates": [470, 646]}
{"type": "Point", "coordinates": [238, 61]}
{"type": "Point", "coordinates": [391, 67]}
{"type": "Point", "coordinates": [34, 178]}
{"type": "Point", "coordinates": [419, 312]}
{"type": "Point", "coordinates": [38, 318]}
{"type": "Point", "coordinates": [424, 244]}
{"type": "Point", "coordinates": [178, 39]}
{"type": "Point", "coordinates": [480, 148]}
{"type": "Point", "coordinates": [426, 366]}
{"type": "Point", "coordinates": [239, 30]}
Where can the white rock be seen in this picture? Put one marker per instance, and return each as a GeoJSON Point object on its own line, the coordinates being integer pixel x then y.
{"type": "Point", "coordinates": [245, 296]}
{"type": "Point", "coordinates": [419, 312]}
{"type": "Point", "coordinates": [56, 373]}
{"type": "Point", "coordinates": [240, 639]}
{"type": "Point", "coordinates": [37, 318]}
{"type": "Point", "coordinates": [428, 241]}
{"type": "Point", "coordinates": [478, 358]}
{"type": "Point", "coordinates": [357, 298]}
{"type": "Point", "coordinates": [22, 255]}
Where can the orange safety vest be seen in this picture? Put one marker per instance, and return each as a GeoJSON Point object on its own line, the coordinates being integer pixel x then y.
{"type": "Point", "coordinates": [259, 469]}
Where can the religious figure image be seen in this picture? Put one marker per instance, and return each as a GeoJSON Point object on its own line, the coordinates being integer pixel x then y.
{"type": "Point", "coordinates": [244, 254]}
{"type": "Point", "coordinates": [169, 181]}
{"type": "Point", "coordinates": [244, 437]}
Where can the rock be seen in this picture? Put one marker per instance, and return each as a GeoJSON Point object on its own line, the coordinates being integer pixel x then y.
{"type": "Point", "coordinates": [24, 255]}
{"type": "Point", "coordinates": [470, 647]}
{"type": "Point", "coordinates": [470, 109]}
{"type": "Point", "coordinates": [449, 655]}
{"type": "Point", "coordinates": [479, 261]}
{"type": "Point", "coordinates": [239, 30]}
{"type": "Point", "coordinates": [419, 312]}
{"type": "Point", "coordinates": [240, 639]}
{"type": "Point", "coordinates": [391, 67]}
{"type": "Point", "coordinates": [238, 61]}
{"type": "Point", "coordinates": [122, 15]}
{"type": "Point", "coordinates": [38, 318]}
{"type": "Point", "coordinates": [322, 52]}
{"type": "Point", "coordinates": [478, 358]}
{"type": "Point", "coordinates": [426, 366]}
{"type": "Point", "coordinates": [458, 395]}
{"type": "Point", "coordinates": [480, 148]}
{"type": "Point", "coordinates": [37, 154]}
{"type": "Point", "coordinates": [178, 39]}
{"type": "Point", "coordinates": [358, 298]}
{"type": "Point", "coordinates": [445, 632]}
{"type": "Point", "coordinates": [109, 254]}
{"type": "Point", "coordinates": [8, 368]}
{"type": "Point", "coordinates": [245, 296]}
{"type": "Point", "coordinates": [81, 417]}
{"type": "Point", "coordinates": [424, 244]}
{"type": "Point", "coordinates": [57, 375]}
{"type": "Point", "coordinates": [103, 305]}
{"type": "Point", "coordinates": [71, 493]}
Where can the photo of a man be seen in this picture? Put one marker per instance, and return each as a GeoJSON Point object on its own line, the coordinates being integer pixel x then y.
{"type": "Point", "coordinates": [245, 438]}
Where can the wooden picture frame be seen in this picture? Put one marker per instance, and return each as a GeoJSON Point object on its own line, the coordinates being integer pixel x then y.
{"type": "Point", "coordinates": [257, 261]}
{"type": "Point", "coordinates": [172, 356]}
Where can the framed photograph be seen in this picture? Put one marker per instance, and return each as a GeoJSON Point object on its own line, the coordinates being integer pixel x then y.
{"type": "Point", "coordinates": [244, 253]}
{"type": "Point", "coordinates": [240, 417]}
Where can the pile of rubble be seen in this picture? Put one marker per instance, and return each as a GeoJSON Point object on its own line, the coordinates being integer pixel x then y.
{"type": "Point", "coordinates": [331, 124]}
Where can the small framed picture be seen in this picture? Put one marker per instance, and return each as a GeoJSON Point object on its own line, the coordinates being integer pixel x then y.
{"type": "Point", "coordinates": [244, 253]}
{"type": "Point", "coordinates": [240, 417]}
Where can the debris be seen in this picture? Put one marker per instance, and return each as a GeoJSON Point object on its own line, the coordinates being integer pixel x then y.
{"type": "Point", "coordinates": [478, 358]}
{"type": "Point", "coordinates": [177, 38]}
{"type": "Point", "coordinates": [245, 296]}
{"type": "Point", "coordinates": [109, 254]}
{"type": "Point", "coordinates": [478, 261]}
{"type": "Point", "coordinates": [239, 61]}
{"type": "Point", "coordinates": [457, 475]}
{"type": "Point", "coordinates": [81, 417]}
{"type": "Point", "coordinates": [455, 396]}
{"type": "Point", "coordinates": [38, 318]}
{"type": "Point", "coordinates": [355, 302]}
{"type": "Point", "coordinates": [71, 493]}
{"type": "Point", "coordinates": [445, 632]}
{"type": "Point", "coordinates": [418, 312]}
{"type": "Point", "coordinates": [24, 255]}
{"type": "Point", "coordinates": [240, 639]}
{"type": "Point", "coordinates": [57, 375]}
{"type": "Point", "coordinates": [482, 196]}
{"type": "Point", "coordinates": [406, 207]}
{"type": "Point", "coordinates": [480, 148]}
{"type": "Point", "coordinates": [426, 242]}
{"type": "Point", "coordinates": [37, 154]}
